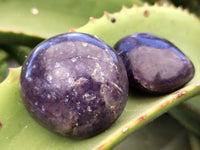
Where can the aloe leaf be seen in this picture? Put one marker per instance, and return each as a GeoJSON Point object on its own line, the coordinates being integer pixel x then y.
{"type": "Point", "coordinates": [193, 106]}
{"type": "Point", "coordinates": [19, 130]}
{"type": "Point", "coordinates": [3, 71]}
{"type": "Point", "coordinates": [194, 142]}
{"type": "Point", "coordinates": [19, 53]}
{"type": "Point", "coordinates": [160, 2]}
{"type": "Point", "coordinates": [3, 55]}
{"type": "Point", "coordinates": [19, 38]}
{"type": "Point", "coordinates": [193, 5]}
{"type": "Point", "coordinates": [180, 142]}
{"type": "Point", "coordinates": [188, 114]}
{"type": "Point", "coordinates": [3, 64]}
{"type": "Point", "coordinates": [161, 134]}
{"type": "Point", "coordinates": [29, 22]}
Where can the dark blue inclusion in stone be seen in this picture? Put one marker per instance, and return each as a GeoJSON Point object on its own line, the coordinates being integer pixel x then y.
{"type": "Point", "coordinates": [74, 84]}
{"type": "Point", "coordinates": [154, 64]}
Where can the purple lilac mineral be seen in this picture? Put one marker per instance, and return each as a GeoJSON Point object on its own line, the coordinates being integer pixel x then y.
{"type": "Point", "coordinates": [74, 84]}
{"type": "Point", "coordinates": [153, 64]}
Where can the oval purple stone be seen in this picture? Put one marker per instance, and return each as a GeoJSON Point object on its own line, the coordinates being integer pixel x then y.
{"type": "Point", "coordinates": [153, 64]}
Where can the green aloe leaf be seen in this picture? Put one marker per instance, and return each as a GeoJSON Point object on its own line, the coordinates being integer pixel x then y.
{"type": "Point", "coordinates": [29, 22]}
{"type": "Point", "coordinates": [194, 142]}
{"type": "Point", "coordinates": [19, 131]}
{"type": "Point", "coordinates": [188, 114]}
{"type": "Point", "coordinates": [193, 5]}
{"type": "Point", "coordinates": [3, 65]}
{"type": "Point", "coordinates": [164, 133]}
{"type": "Point", "coordinates": [3, 71]}
{"type": "Point", "coordinates": [160, 2]}
{"type": "Point", "coordinates": [19, 53]}
{"type": "Point", "coordinates": [3, 55]}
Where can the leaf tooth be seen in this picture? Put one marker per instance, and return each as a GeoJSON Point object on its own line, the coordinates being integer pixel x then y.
{"type": "Point", "coordinates": [194, 15]}
{"type": "Point", "coordinates": [180, 8]}
{"type": "Point", "coordinates": [146, 4]}
{"type": "Point", "coordinates": [134, 5]}
{"type": "Point", "coordinates": [72, 30]}
{"type": "Point", "coordinates": [166, 4]}
{"type": "Point", "coordinates": [91, 19]}
{"type": "Point", "coordinates": [163, 3]}
{"type": "Point", "coordinates": [10, 69]}
{"type": "Point", "coordinates": [185, 10]}
{"type": "Point", "coordinates": [172, 6]}
{"type": "Point", "coordinates": [156, 3]}
{"type": "Point", "coordinates": [105, 13]}
{"type": "Point", "coordinates": [197, 84]}
{"type": "Point", "coordinates": [123, 7]}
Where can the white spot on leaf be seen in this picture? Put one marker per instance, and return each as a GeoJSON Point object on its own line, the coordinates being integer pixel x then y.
{"type": "Point", "coordinates": [34, 11]}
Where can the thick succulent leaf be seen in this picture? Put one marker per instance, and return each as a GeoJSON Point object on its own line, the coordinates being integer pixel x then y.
{"type": "Point", "coordinates": [162, 134]}
{"type": "Point", "coordinates": [3, 71]}
{"type": "Point", "coordinates": [194, 142]}
{"type": "Point", "coordinates": [193, 105]}
{"type": "Point", "coordinates": [179, 143]}
{"type": "Point", "coordinates": [3, 64]}
{"type": "Point", "coordinates": [19, 131]}
{"type": "Point", "coordinates": [11, 56]}
{"type": "Point", "coordinates": [19, 53]}
{"type": "Point", "coordinates": [188, 114]}
{"type": "Point", "coordinates": [3, 55]}
{"type": "Point", "coordinates": [176, 28]}
{"type": "Point", "coordinates": [18, 38]}
{"type": "Point", "coordinates": [160, 2]}
{"type": "Point", "coordinates": [27, 22]}
{"type": "Point", "coordinates": [193, 5]}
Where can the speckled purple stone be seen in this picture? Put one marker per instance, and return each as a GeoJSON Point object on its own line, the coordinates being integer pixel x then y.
{"type": "Point", "coordinates": [153, 64]}
{"type": "Point", "coordinates": [74, 84]}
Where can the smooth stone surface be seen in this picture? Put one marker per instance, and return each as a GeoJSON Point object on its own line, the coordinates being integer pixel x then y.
{"type": "Point", "coordinates": [74, 84]}
{"type": "Point", "coordinates": [154, 64]}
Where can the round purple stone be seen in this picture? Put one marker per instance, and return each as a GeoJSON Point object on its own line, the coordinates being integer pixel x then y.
{"type": "Point", "coordinates": [74, 84]}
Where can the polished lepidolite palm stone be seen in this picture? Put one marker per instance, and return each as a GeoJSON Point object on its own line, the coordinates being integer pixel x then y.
{"type": "Point", "coordinates": [74, 84]}
{"type": "Point", "coordinates": [153, 64]}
